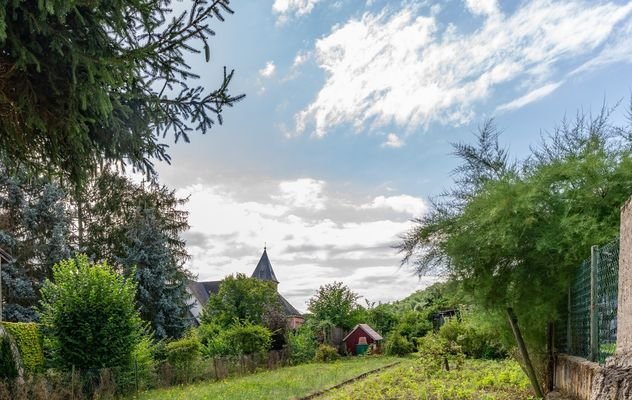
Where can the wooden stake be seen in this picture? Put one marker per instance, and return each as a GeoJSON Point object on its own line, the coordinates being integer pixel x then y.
{"type": "Point", "coordinates": [513, 321]}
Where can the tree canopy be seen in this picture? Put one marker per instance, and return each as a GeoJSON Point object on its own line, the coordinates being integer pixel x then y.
{"type": "Point", "coordinates": [335, 303]}
{"type": "Point", "coordinates": [514, 232]}
{"type": "Point", "coordinates": [83, 83]}
{"type": "Point", "coordinates": [242, 299]}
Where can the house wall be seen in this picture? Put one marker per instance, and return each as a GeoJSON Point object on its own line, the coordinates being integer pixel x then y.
{"type": "Point", "coordinates": [353, 339]}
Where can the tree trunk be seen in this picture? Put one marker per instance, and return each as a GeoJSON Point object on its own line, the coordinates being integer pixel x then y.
{"type": "Point", "coordinates": [513, 321]}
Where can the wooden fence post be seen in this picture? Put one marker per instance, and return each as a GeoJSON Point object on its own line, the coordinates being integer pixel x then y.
{"type": "Point", "coordinates": [594, 328]}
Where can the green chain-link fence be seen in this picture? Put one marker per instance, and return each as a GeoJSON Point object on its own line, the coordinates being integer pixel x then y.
{"type": "Point", "coordinates": [607, 286]}
{"type": "Point", "coordinates": [594, 287]}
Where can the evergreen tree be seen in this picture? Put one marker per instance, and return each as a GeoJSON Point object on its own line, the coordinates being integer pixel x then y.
{"type": "Point", "coordinates": [159, 273]}
{"type": "Point", "coordinates": [137, 227]}
{"type": "Point", "coordinates": [35, 227]}
{"type": "Point", "coordinates": [83, 81]}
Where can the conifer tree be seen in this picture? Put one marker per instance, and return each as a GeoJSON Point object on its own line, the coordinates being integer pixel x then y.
{"type": "Point", "coordinates": [159, 273]}
{"type": "Point", "coordinates": [137, 227]}
{"type": "Point", "coordinates": [35, 227]}
{"type": "Point", "coordinates": [88, 81]}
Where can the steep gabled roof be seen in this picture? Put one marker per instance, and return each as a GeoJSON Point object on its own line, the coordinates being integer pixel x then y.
{"type": "Point", "coordinates": [367, 329]}
{"type": "Point", "coordinates": [264, 270]}
{"type": "Point", "coordinates": [289, 309]}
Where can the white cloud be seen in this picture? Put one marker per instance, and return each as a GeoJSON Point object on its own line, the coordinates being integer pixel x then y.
{"type": "Point", "coordinates": [303, 193]}
{"type": "Point", "coordinates": [414, 206]}
{"type": "Point", "coordinates": [230, 223]}
{"type": "Point", "coordinates": [410, 70]}
{"type": "Point", "coordinates": [530, 97]}
{"type": "Point", "coordinates": [284, 9]}
{"type": "Point", "coordinates": [482, 7]}
{"type": "Point", "coordinates": [268, 71]}
{"type": "Point", "coordinates": [393, 141]}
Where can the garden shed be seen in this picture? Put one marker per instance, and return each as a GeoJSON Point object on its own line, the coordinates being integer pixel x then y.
{"type": "Point", "coordinates": [361, 338]}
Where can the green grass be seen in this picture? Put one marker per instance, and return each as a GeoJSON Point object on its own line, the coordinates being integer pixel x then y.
{"type": "Point", "coordinates": [284, 383]}
{"type": "Point", "coordinates": [476, 380]}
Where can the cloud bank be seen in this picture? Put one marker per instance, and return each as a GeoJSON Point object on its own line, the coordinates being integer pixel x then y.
{"type": "Point", "coordinates": [315, 234]}
{"type": "Point", "coordinates": [410, 70]}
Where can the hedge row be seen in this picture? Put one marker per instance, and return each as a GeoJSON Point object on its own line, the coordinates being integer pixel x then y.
{"type": "Point", "coordinates": [29, 341]}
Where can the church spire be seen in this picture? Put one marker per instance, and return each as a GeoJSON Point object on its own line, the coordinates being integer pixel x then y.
{"type": "Point", "coordinates": [264, 269]}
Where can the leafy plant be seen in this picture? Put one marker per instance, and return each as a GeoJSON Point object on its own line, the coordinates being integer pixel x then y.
{"type": "Point", "coordinates": [326, 353]}
{"type": "Point", "coordinates": [89, 317]}
{"type": "Point", "coordinates": [29, 341]}
{"type": "Point", "coordinates": [248, 338]}
{"type": "Point", "coordinates": [398, 345]}
{"type": "Point", "coordinates": [302, 345]}
{"type": "Point", "coordinates": [335, 303]}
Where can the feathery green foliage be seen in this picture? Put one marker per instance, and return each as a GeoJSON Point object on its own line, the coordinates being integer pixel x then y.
{"type": "Point", "coordinates": [513, 233]}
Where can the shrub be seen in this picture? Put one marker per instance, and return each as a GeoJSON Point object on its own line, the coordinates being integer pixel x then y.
{"type": "Point", "coordinates": [247, 338]}
{"type": "Point", "coordinates": [183, 351]}
{"type": "Point", "coordinates": [89, 317]}
{"type": "Point", "coordinates": [182, 354]}
{"type": "Point", "coordinates": [8, 369]}
{"type": "Point", "coordinates": [29, 341]}
{"type": "Point", "coordinates": [474, 341]}
{"type": "Point", "coordinates": [398, 345]}
{"type": "Point", "coordinates": [435, 351]}
{"type": "Point", "coordinates": [326, 353]}
{"type": "Point", "coordinates": [302, 345]}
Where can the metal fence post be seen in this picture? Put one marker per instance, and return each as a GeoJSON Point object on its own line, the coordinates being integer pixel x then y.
{"type": "Point", "coordinates": [569, 331]}
{"type": "Point", "coordinates": [594, 327]}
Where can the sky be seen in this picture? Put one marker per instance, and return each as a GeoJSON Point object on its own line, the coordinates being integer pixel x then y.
{"type": "Point", "coordinates": [351, 108]}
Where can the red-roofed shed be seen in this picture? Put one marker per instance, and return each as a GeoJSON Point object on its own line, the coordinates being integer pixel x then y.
{"type": "Point", "coordinates": [361, 334]}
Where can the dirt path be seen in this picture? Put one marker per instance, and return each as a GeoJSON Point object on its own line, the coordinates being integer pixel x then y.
{"type": "Point", "coordinates": [347, 382]}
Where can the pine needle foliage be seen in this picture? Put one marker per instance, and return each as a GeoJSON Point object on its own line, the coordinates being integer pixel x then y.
{"type": "Point", "coordinates": [83, 82]}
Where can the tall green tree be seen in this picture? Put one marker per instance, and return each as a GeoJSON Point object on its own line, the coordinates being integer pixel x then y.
{"type": "Point", "coordinates": [514, 233]}
{"type": "Point", "coordinates": [336, 303]}
{"type": "Point", "coordinates": [242, 299]}
{"type": "Point", "coordinates": [84, 82]}
{"type": "Point", "coordinates": [137, 226]}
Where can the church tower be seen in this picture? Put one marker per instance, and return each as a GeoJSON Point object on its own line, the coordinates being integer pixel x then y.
{"type": "Point", "coordinates": [264, 270]}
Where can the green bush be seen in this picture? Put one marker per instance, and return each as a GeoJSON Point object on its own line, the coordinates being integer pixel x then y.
{"type": "Point", "coordinates": [88, 316]}
{"type": "Point", "coordinates": [398, 345]}
{"type": "Point", "coordinates": [29, 341]}
{"type": "Point", "coordinates": [474, 341]}
{"type": "Point", "coordinates": [302, 345]}
{"type": "Point", "coordinates": [183, 355]}
{"type": "Point", "coordinates": [183, 351]}
{"type": "Point", "coordinates": [247, 338]}
{"type": "Point", "coordinates": [436, 351]}
{"type": "Point", "coordinates": [8, 369]}
{"type": "Point", "coordinates": [326, 353]}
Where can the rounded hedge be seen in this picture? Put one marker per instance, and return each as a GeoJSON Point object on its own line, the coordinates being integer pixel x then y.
{"type": "Point", "coordinates": [89, 316]}
{"type": "Point", "coordinates": [29, 341]}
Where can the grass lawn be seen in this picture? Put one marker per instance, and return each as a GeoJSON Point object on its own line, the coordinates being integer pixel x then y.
{"type": "Point", "coordinates": [476, 380]}
{"type": "Point", "coordinates": [284, 383]}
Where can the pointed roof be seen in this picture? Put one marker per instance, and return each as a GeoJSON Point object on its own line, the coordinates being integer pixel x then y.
{"type": "Point", "coordinates": [367, 329]}
{"type": "Point", "coordinates": [264, 270]}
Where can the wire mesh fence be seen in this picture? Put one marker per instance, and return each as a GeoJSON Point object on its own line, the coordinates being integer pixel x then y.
{"type": "Point", "coordinates": [607, 286]}
{"type": "Point", "coordinates": [579, 338]}
{"type": "Point", "coordinates": [589, 328]}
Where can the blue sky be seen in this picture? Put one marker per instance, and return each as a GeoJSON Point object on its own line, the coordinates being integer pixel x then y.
{"type": "Point", "coordinates": [350, 111]}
